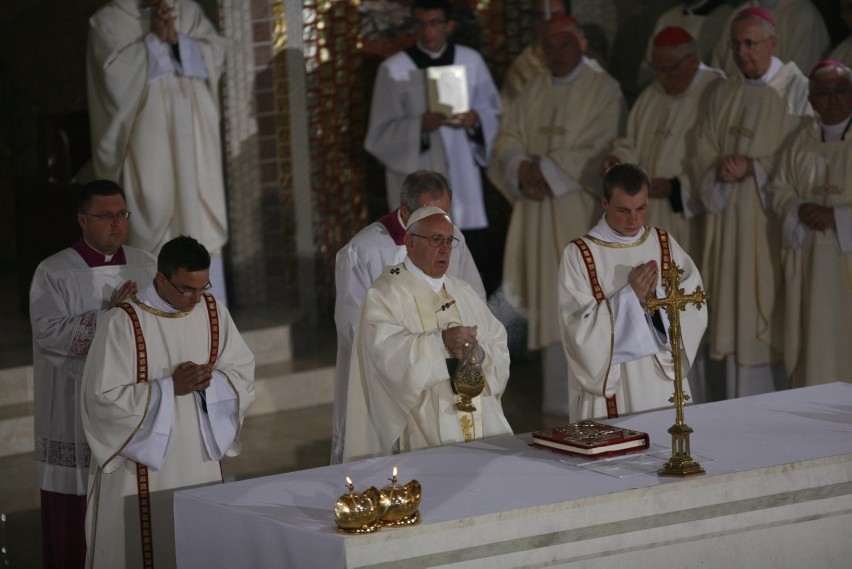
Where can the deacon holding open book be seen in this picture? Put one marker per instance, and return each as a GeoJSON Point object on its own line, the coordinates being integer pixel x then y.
{"type": "Point", "coordinates": [619, 355]}
{"type": "Point", "coordinates": [416, 324]}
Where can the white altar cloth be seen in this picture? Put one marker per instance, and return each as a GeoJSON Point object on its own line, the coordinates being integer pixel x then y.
{"type": "Point", "coordinates": [777, 493]}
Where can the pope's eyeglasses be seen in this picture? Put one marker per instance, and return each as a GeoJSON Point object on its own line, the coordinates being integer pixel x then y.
{"type": "Point", "coordinates": [436, 240]}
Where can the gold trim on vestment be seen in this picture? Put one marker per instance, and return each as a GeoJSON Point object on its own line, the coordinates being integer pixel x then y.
{"type": "Point", "coordinates": [636, 243]}
{"type": "Point", "coordinates": [156, 312]}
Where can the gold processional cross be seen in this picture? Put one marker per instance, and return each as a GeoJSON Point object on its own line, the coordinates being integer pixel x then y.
{"type": "Point", "coordinates": [675, 301]}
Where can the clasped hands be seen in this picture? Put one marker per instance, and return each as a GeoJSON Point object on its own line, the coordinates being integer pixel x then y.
{"type": "Point", "coordinates": [163, 22]}
{"type": "Point", "coordinates": [457, 338]}
{"type": "Point", "coordinates": [643, 280]}
{"type": "Point", "coordinates": [430, 121]}
{"type": "Point", "coordinates": [734, 168]}
{"type": "Point", "coordinates": [817, 217]}
{"type": "Point", "coordinates": [189, 377]}
{"type": "Point", "coordinates": [532, 181]}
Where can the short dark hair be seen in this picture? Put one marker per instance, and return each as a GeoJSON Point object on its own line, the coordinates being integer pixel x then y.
{"type": "Point", "coordinates": [97, 188]}
{"type": "Point", "coordinates": [443, 5]}
{"type": "Point", "coordinates": [631, 178]}
{"type": "Point", "coordinates": [423, 182]}
{"type": "Point", "coordinates": [182, 252]}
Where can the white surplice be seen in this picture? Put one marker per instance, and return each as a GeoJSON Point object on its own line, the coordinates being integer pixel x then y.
{"type": "Point", "coordinates": [127, 421]}
{"type": "Point", "coordinates": [742, 255]}
{"type": "Point", "coordinates": [356, 266]}
{"type": "Point", "coordinates": [817, 264]}
{"type": "Point", "coordinates": [612, 346]}
{"type": "Point", "coordinates": [394, 134]}
{"type": "Point", "coordinates": [802, 36]}
{"type": "Point", "coordinates": [155, 122]}
{"type": "Point", "coordinates": [67, 297]}
{"type": "Point", "coordinates": [400, 397]}
{"type": "Point", "coordinates": [569, 123]}
{"type": "Point", "coordinates": [660, 136]}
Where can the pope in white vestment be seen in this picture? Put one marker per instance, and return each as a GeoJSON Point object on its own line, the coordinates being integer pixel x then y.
{"type": "Point", "coordinates": [400, 395]}
{"type": "Point", "coordinates": [134, 414]}
{"type": "Point", "coordinates": [154, 111]}
{"type": "Point", "coordinates": [802, 36]}
{"type": "Point", "coordinates": [746, 122]}
{"type": "Point", "coordinates": [815, 182]}
{"type": "Point", "coordinates": [620, 359]}
{"type": "Point", "coordinates": [361, 261]}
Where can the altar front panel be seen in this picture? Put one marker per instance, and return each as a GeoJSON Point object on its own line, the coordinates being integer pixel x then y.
{"type": "Point", "coordinates": [778, 493]}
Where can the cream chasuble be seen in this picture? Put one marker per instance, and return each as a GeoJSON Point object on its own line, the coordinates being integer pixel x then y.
{"type": "Point", "coordinates": [179, 441]}
{"type": "Point", "coordinates": [742, 244]}
{"type": "Point", "coordinates": [817, 265]}
{"type": "Point", "coordinates": [843, 52]}
{"type": "Point", "coordinates": [802, 36]}
{"type": "Point", "coordinates": [67, 297]}
{"type": "Point", "coordinates": [159, 138]}
{"type": "Point", "coordinates": [400, 395]}
{"type": "Point", "coordinates": [569, 126]}
{"type": "Point", "coordinates": [660, 137]}
{"type": "Point", "coordinates": [609, 343]}
{"type": "Point", "coordinates": [524, 69]}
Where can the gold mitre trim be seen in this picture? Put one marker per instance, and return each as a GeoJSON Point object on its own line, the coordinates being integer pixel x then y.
{"type": "Point", "coordinates": [155, 312]}
{"type": "Point", "coordinates": [636, 243]}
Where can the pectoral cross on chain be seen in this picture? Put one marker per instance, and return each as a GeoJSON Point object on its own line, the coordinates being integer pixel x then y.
{"type": "Point", "coordinates": [827, 188]}
{"type": "Point", "coordinates": [675, 301]}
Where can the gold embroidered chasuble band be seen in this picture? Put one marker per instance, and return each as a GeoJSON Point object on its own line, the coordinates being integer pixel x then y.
{"type": "Point", "coordinates": [441, 317]}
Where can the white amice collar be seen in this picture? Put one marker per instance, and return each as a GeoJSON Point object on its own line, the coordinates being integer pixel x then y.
{"type": "Point", "coordinates": [150, 297]}
{"type": "Point", "coordinates": [604, 232]}
{"type": "Point", "coordinates": [571, 77]}
{"type": "Point", "coordinates": [434, 284]}
{"type": "Point", "coordinates": [835, 132]}
{"type": "Point", "coordinates": [432, 54]}
{"type": "Point", "coordinates": [774, 68]}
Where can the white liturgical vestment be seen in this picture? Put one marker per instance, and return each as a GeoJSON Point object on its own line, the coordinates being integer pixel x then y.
{"type": "Point", "coordinates": [742, 246]}
{"type": "Point", "coordinates": [568, 123]}
{"type": "Point", "coordinates": [522, 70]}
{"type": "Point", "coordinates": [843, 52]}
{"type": "Point", "coordinates": [179, 438]}
{"type": "Point", "coordinates": [660, 137]}
{"type": "Point", "coordinates": [394, 133]}
{"type": "Point", "coordinates": [155, 122]}
{"type": "Point", "coordinates": [356, 266]}
{"type": "Point", "coordinates": [67, 297]}
{"type": "Point", "coordinates": [400, 395]}
{"type": "Point", "coordinates": [817, 264]}
{"type": "Point", "coordinates": [610, 341]}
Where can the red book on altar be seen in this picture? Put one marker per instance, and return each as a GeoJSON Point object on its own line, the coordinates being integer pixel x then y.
{"type": "Point", "coordinates": [591, 440]}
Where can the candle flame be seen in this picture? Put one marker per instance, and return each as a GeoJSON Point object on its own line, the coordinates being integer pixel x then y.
{"type": "Point", "coordinates": [394, 471]}
{"type": "Point", "coordinates": [348, 481]}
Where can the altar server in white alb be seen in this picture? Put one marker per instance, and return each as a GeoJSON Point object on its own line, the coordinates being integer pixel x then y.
{"type": "Point", "coordinates": [620, 356]}
{"type": "Point", "coordinates": [813, 197]}
{"type": "Point", "coordinates": [69, 292]}
{"type": "Point", "coordinates": [405, 136]}
{"type": "Point", "coordinates": [414, 318]}
{"type": "Point", "coordinates": [165, 389]}
{"type": "Point", "coordinates": [362, 260]}
{"type": "Point", "coordinates": [741, 133]}
{"type": "Point", "coordinates": [546, 160]}
{"type": "Point", "coordinates": [153, 69]}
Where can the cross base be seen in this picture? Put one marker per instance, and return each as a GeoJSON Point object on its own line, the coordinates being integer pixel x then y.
{"type": "Point", "coordinates": [681, 466]}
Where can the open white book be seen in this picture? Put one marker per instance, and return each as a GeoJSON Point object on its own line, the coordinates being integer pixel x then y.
{"type": "Point", "coordinates": [446, 88]}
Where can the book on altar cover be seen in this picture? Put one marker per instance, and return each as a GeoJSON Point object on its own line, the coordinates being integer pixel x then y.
{"type": "Point", "coordinates": [591, 440]}
{"type": "Point", "coordinates": [446, 88]}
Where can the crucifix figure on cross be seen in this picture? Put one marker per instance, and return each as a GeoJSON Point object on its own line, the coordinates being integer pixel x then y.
{"type": "Point", "coordinates": [675, 301]}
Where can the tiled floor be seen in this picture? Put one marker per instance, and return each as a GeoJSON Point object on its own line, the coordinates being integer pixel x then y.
{"type": "Point", "coordinates": [274, 443]}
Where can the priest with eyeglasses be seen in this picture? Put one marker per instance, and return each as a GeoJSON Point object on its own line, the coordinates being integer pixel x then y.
{"type": "Point", "coordinates": [415, 324]}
